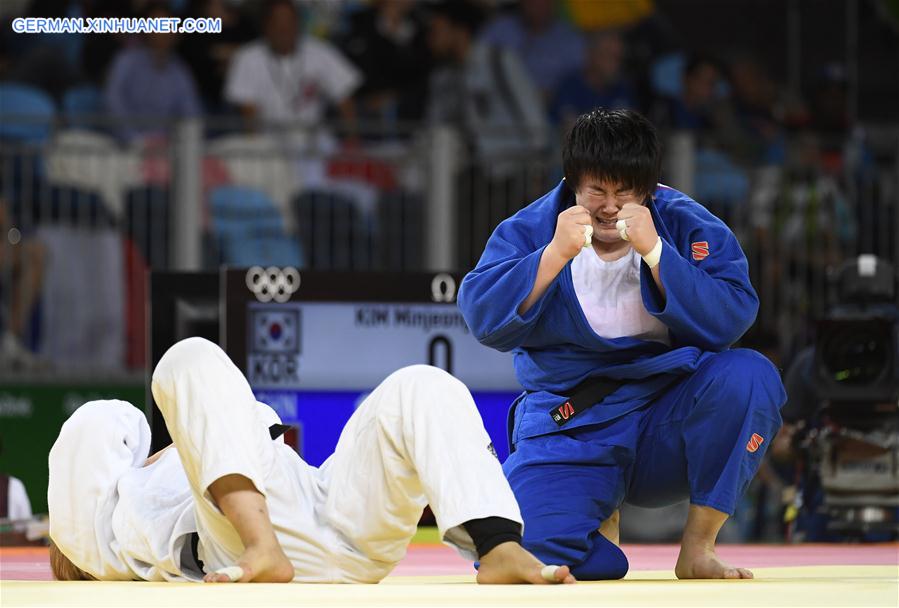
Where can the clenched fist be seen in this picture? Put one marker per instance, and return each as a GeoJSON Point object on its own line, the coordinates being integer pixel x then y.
{"type": "Point", "coordinates": [572, 226]}
{"type": "Point", "coordinates": [641, 231]}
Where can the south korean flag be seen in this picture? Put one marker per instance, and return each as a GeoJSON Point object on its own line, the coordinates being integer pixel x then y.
{"type": "Point", "coordinates": [276, 331]}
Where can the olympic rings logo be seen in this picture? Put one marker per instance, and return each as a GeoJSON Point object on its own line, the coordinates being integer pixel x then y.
{"type": "Point", "coordinates": [443, 288]}
{"type": "Point", "coordinates": [273, 283]}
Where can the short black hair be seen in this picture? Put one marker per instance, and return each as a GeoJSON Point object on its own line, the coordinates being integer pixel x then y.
{"type": "Point", "coordinates": [619, 146]}
{"type": "Point", "coordinates": [461, 13]}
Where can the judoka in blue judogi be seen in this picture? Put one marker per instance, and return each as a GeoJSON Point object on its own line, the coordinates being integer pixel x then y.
{"type": "Point", "coordinates": [613, 276]}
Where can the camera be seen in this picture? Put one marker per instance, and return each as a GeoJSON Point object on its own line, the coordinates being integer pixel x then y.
{"type": "Point", "coordinates": [852, 444]}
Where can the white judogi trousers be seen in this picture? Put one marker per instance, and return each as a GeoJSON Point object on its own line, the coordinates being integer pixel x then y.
{"type": "Point", "coordinates": [417, 439]}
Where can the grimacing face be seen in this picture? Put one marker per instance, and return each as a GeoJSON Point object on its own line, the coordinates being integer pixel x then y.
{"type": "Point", "coordinates": [604, 199]}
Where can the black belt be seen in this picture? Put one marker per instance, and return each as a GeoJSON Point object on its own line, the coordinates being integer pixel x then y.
{"type": "Point", "coordinates": [580, 398]}
{"type": "Point", "coordinates": [276, 430]}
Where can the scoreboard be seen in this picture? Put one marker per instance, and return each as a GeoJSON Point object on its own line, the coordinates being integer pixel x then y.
{"type": "Point", "coordinates": [314, 344]}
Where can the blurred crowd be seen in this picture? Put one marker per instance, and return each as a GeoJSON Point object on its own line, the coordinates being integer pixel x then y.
{"type": "Point", "coordinates": [484, 64]}
{"type": "Point", "coordinates": [782, 162]}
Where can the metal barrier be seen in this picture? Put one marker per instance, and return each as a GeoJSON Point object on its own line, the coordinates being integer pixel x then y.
{"type": "Point", "coordinates": [85, 214]}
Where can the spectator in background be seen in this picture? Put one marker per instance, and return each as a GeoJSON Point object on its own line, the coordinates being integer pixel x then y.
{"type": "Point", "coordinates": [759, 111]}
{"type": "Point", "coordinates": [804, 224]}
{"type": "Point", "coordinates": [600, 84]}
{"type": "Point", "coordinates": [647, 31]}
{"type": "Point", "coordinates": [486, 94]}
{"type": "Point", "coordinates": [804, 207]}
{"type": "Point", "coordinates": [483, 91]}
{"type": "Point", "coordinates": [22, 261]}
{"type": "Point", "coordinates": [387, 43]}
{"type": "Point", "coordinates": [704, 109]}
{"type": "Point", "coordinates": [210, 55]}
{"type": "Point", "coordinates": [14, 503]}
{"type": "Point", "coordinates": [843, 145]}
{"type": "Point", "coordinates": [100, 49]}
{"type": "Point", "coordinates": [149, 81]}
{"type": "Point", "coordinates": [693, 110]}
{"type": "Point", "coordinates": [290, 77]}
{"type": "Point", "coordinates": [828, 100]}
{"type": "Point", "coordinates": [548, 47]}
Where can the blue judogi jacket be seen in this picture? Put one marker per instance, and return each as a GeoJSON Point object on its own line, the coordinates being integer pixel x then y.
{"type": "Point", "coordinates": [709, 304]}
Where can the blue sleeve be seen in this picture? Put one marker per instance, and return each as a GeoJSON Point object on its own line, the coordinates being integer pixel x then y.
{"type": "Point", "coordinates": [490, 294]}
{"type": "Point", "coordinates": [708, 303]}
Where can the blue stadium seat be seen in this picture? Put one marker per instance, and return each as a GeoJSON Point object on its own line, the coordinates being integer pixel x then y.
{"type": "Point", "coordinates": [239, 211]}
{"type": "Point", "coordinates": [262, 250]}
{"type": "Point", "coordinates": [230, 225]}
{"type": "Point", "coordinates": [26, 113]}
{"type": "Point", "coordinates": [249, 229]}
{"type": "Point", "coordinates": [229, 203]}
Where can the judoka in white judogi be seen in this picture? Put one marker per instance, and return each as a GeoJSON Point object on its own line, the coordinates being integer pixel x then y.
{"type": "Point", "coordinates": [416, 440]}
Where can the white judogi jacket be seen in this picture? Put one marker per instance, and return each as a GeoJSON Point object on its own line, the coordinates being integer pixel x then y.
{"type": "Point", "coordinates": [109, 515]}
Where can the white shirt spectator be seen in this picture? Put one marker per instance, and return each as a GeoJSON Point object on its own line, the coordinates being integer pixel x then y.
{"type": "Point", "coordinates": [19, 506]}
{"type": "Point", "coordinates": [295, 87]}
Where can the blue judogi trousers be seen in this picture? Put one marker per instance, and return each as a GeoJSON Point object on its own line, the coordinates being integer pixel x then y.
{"type": "Point", "coordinates": [703, 439]}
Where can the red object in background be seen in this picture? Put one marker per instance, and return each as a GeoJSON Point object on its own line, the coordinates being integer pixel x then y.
{"type": "Point", "coordinates": [135, 306]}
{"type": "Point", "coordinates": [375, 172]}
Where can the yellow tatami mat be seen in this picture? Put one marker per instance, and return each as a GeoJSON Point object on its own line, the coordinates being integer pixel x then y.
{"type": "Point", "coordinates": [798, 586]}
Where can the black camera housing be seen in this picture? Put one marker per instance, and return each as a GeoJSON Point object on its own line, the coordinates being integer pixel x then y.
{"type": "Point", "coordinates": [857, 360]}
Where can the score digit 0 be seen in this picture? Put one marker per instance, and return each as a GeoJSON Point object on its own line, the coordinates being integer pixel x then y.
{"type": "Point", "coordinates": [434, 346]}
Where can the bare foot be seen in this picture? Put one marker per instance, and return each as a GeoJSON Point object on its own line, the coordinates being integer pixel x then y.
{"type": "Point", "coordinates": [509, 563]}
{"type": "Point", "coordinates": [702, 562]}
{"type": "Point", "coordinates": [260, 565]}
{"type": "Point", "coordinates": [610, 529]}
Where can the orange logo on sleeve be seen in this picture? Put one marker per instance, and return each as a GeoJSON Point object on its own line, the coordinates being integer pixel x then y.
{"type": "Point", "coordinates": [755, 442]}
{"type": "Point", "coordinates": [700, 250]}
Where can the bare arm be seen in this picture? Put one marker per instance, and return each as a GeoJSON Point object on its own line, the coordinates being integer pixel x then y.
{"type": "Point", "coordinates": [154, 457]}
{"type": "Point", "coordinates": [657, 279]}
